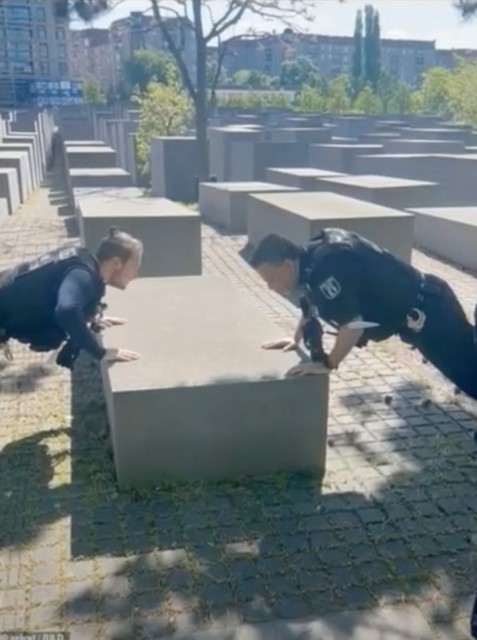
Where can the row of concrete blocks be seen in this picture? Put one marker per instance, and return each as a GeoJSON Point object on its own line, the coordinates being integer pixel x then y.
{"type": "Point", "coordinates": [25, 151]}
{"type": "Point", "coordinates": [394, 212]}
{"type": "Point", "coordinates": [204, 401]}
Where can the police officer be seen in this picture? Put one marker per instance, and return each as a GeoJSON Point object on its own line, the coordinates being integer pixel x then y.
{"type": "Point", "coordinates": [368, 294]}
{"type": "Point", "coordinates": [55, 299]}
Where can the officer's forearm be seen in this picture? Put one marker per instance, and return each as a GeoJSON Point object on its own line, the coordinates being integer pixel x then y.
{"type": "Point", "coordinates": [346, 339]}
{"type": "Point", "coordinates": [71, 320]}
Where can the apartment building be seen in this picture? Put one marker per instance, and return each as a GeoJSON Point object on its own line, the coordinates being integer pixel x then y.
{"type": "Point", "coordinates": [403, 60]}
{"type": "Point", "coordinates": [91, 56]}
{"type": "Point", "coordinates": [33, 54]}
{"type": "Point", "coordinates": [139, 31]}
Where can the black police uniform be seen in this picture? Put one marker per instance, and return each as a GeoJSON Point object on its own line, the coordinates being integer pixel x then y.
{"type": "Point", "coordinates": [49, 300]}
{"type": "Point", "coordinates": [346, 277]}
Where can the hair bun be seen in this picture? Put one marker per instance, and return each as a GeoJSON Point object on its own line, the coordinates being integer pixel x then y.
{"type": "Point", "coordinates": [113, 231]}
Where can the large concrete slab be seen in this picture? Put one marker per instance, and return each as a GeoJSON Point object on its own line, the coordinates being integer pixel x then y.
{"type": "Point", "coordinates": [19, 161]}
{"type": "Point", "coordinates": [423, 146]}
{"type": "Point", "coordinates": [174, 167]}
{"type": "Point", "coordinates": [449, 232]}
{"type": "Point", "coordinates": [303, 178]}
{"type": "Point", "coordinates": [386, 623]}
{"type": "Point", "coordinates": [225, 203]}
{"type": "Point", "coordinates": [170, 232]}
{"type": "Point", "coordinates": [32, 139]}
{"type": "Point", "coordinates": [84, 143]}
{"type": "Point", "coordinates": [340, 157]}
{"type": "Point", "coordinates": [395, 193]}
{"type": "Point", "coordinates": [95, 157]}
{"type": "Point", "coordinates": [300, 216]}
{"type": "Point", "coordinates": [205, 400]}
{"type": "Point", "coordinates": [101, 178]}
{"type": "Point", "coordinates": [10, 189]}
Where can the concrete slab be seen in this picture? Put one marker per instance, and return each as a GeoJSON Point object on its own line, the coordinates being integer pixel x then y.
{"type": "Point", "coordinates": [423, 146]}
{"type": "Point", "coordinates": [19, 161]}
{"type": "Point", "coordinates": [4, 211]}
{"type": "Point", "coordinates": [395, 193]}
{"type": "Point", "coordinates": [449, 232]}
{"type": "Point", "coordinates": [101, 178]}
{"type": "Point", "coordinates": [301, 216]}
{"type": "Point", "coordinates": [32, 163]}
{"type": "Point", "coordinates": [84, 143]}
{"type": "Point", "coordinates": [340, 157]}
{"type": "Point", "coordinates": [34, 140]}
{"type": "Point", "coordinates": [170, 232]}
{"type": "Point", "coordinates": [205, 401]}
{"type": "Point", "coordinates": [386, 623]}
{"type": "Point", "coordinates": [225, 203]}
{"type": "Point", "coordinates": [10, 189]}
{"type": "Point", "coordinates": [95, 157]}
{"type": "Point", "coordinates": [303, 178]}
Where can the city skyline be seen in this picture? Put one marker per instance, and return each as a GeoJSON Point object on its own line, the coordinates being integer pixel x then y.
{"type": "Point", "coordinates": [400, 19]}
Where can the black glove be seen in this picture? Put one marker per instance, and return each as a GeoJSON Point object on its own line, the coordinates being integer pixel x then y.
{"type": "Point", "coordinates": [473, 620]}
{"type": "Point", "coordinates": [312, 333]}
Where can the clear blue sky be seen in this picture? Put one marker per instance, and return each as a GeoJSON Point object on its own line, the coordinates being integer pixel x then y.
{"type": "Point", "coordinates": [422, 19]}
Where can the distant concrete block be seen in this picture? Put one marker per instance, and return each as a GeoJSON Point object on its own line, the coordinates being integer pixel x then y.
{"type": "Point", "coordinates": [225, 203]}
{"type": "Point", "coordinates": [95, 157]}
{"type": "Point", "coordinates": [101, 178]}
{"type": "Point", "coordinates": [4, 212]}
{"type": "Point", "coordinates": [205, 401]}
{"type": "Point", "coordinates": [301, 216]}
{"type": "Point", "coordinates": [170, 232]}
{"type": "Point", "coordinates": [449, 232]}
{"type": "Point", "coordinates": [401, 145]}
{"type": "Point", "coordinates": [174, 167]}
{"type": "Point", "coordinates": [84, 143]}
{"type": "Point", "coordinates": [10, 189]}
{"type": "Point", "coordinates": [32, 139]}
{"type": "Point", "coordinates": [395, 193]}
{"type": "Point", "coordinates": [303, 178]}
{"type": "Point", "coordinates": [340, 157]}
{"type": "Point", "coordinates": [19, 161]}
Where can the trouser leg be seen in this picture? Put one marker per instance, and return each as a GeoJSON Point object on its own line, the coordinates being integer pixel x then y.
{"type": "Point", "coordinates": [447, 340]}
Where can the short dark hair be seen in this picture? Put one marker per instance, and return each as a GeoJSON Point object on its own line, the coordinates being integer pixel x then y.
{"type": "Point", "coordinates": [117, 244]}
{"type": "Point", "coordinates": [274, 249]}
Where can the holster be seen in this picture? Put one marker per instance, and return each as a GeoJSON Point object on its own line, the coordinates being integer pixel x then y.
{"type": "Point", "coordinates": [312, 332]}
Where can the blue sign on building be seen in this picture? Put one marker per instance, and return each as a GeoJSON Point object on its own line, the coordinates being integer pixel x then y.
{"type": "Point", "coordinates": [54, 93]}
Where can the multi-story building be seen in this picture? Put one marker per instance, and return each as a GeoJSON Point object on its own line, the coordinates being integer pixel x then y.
{"type": "Point", "coordinates": [447, 58]}
{"type": "Point", "coordinates": [33, 50]}
{"type": "Point", "coordinates": [91, 56]}
{"type": "Point", "coordinates": [139, 31]}
{"type": "Point", "coordinates": [404, 60]}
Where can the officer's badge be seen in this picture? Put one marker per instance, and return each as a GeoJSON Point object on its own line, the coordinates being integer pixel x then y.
{"type": "Point", "coordinates": [330, 288]}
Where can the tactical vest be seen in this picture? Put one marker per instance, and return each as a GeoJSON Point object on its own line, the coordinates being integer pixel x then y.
{"type": "Point", "coordinates": [391, 285]}
{"type": "Point", "coordinates": [29, 292]}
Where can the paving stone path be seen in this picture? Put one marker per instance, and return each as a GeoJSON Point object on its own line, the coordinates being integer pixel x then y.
{"type": "Point", "coordinates": [394, 521]}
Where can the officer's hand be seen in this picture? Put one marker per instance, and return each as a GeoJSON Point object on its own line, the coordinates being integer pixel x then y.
{"type": "Point", "coordinates": [307, 369]}
{"type": "Point", "coordinates": [285, 344]}
{"type": "Point", "coordinates": [120, 355]}
{"type": "Point", "coordinates": [106, 322]}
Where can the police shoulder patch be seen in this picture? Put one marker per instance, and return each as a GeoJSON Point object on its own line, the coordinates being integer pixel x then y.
{"type": "Point", "coordinates": [330, 288]}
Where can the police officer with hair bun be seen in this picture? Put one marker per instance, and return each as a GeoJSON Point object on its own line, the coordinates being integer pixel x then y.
{"type": "Point", "coordinates": [367, 294]}
{"type": "Point", "coordinates": [54, 301]}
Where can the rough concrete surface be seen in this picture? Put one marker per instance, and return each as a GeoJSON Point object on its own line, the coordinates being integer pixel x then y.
{"type": "Point", "coordinates": [393, 523]}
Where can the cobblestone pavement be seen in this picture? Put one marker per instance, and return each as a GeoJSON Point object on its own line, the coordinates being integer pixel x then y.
{"type": "Point", "coordinates": [393, 522]}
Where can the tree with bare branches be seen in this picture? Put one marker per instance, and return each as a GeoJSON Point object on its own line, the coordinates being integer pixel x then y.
{"type": "Point", "coordinates": [467, 8]}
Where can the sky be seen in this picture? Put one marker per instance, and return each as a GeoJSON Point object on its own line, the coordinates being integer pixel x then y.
{"type": "Point", "coordinates": [421, 19]}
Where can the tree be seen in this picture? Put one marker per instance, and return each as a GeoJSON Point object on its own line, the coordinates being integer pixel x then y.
{"type": "Point", "coordinates": [310, 100]}
{"type": "Point", "coordinates": [367, 101]}
{"type": "Point", "coordinates": [252, 79]}
{"type": "Point", "coordinates": [146, 65]}
{"type": "Point", "coordinates": [467, 8]}
{"type": "Point", "coordinates": [357, 70]}
{"type": "Point", "coordinates": [435, 93]}
{"type": "Point", "coordinates": [372, 46]}
{"type": "Point", "coordinates": [164, 110]}
{"type": "Point", "coordinates": [92, 93]}
{"type": "Point", "coordinates": [294, 74]}
{"type": "Point", "coordinates": [202, 94]}
{"type": "Point", "coordinates": [85, 10]}
{"type": "Point", "coordinates": [337, 96]}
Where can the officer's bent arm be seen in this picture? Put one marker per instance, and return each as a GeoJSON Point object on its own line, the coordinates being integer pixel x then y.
{"type": "Point", "coordinates": [337, 293]}
{"type": "Point", "coordinates": [76, 292]}
{"type": "Point", "coordinates": [346, 340]}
